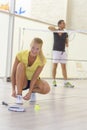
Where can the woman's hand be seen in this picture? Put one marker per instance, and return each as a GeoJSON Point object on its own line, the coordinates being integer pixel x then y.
{"type": "Point", "coordinates": [27, 96]}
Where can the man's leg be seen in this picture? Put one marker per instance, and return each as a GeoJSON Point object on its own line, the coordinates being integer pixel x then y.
{"type": "Point", "coordinates": [54, 73]}
{"type": "Point", "coordinates": [64, 72]}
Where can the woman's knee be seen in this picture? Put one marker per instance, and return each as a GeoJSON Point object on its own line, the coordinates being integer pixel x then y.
{"type": "Point", "coordinates": [20, 67]}
{"type": "Point", "coordinates": [42, 87]}
{"type": "Point", "coordinates": [46, 88]}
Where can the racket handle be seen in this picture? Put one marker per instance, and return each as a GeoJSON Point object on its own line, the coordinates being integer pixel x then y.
{"type": "Point", "coordinates": [4, 103]}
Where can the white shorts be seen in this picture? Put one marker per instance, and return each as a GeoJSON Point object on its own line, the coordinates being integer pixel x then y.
{"type": "Point", "coordinates": [59, 57]}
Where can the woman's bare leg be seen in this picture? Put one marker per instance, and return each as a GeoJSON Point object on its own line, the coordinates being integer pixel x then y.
{"type": "Point", "coordinates": [21, 80]}
{"type": "Point", "coordinates": [41, 87]}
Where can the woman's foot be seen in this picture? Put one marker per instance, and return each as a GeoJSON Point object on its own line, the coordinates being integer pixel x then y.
{"type": "Point", "coordinates": [33, 97]}
{"type": "Point", "coordinates": [19, 99]}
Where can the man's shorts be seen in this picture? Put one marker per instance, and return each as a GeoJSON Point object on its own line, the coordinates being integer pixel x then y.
{"type": "Point", "coordinates": [59, 57]}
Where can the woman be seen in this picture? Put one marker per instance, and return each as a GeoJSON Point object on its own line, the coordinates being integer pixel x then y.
{"type": "Point", "coordinates": [26, 70]}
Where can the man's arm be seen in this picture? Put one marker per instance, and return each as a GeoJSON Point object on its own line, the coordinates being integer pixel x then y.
{"type": "Point", "coordinates": [67, 42]}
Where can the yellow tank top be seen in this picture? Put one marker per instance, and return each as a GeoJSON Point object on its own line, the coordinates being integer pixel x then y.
{"type": "Point", "coordinates": [23, 57]}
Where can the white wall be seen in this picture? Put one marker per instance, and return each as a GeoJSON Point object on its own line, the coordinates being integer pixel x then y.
{"type": "Point", "coordinates": [3, 43]}
{"type": "Point", "coordinates": [77, 64]}
{"type": "Point", "coordinates": [77, 14]}
{"type": "Point", "coordinates": [49, 11]}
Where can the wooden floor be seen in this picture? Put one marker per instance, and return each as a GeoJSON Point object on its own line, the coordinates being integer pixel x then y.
{"type": "Point", "coordinates": [61, 109]}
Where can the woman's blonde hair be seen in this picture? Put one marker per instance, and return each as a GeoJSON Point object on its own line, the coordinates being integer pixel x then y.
{"type": "Point", "coordinates": [41, 55]}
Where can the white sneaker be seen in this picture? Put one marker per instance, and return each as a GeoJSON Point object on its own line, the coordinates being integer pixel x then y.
{"type": "Point", "coordinates": [33, 97]}
{"type": "Point", "coordinates": [19, 99]}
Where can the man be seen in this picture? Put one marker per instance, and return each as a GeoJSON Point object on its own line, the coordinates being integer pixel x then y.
{"type": "Point", "coordinates": [59, 54]}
